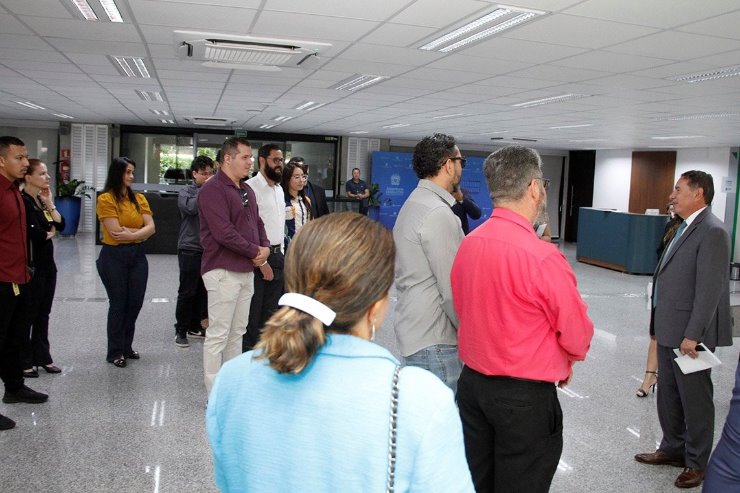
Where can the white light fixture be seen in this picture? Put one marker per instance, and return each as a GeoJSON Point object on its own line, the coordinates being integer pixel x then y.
{"type": "Point", "coordinates": [308, 106]}
{"type": "Point", "coordinates": [501, 19]}
{"type": "Point", "coordinates": [62, 115]}
{"type": "Point", "coordinates": [109, 6]}
{"type": "Point", "coordinates": [358, 81]}
{"type": "Point", "coordinates": [358, 132]}
{"type": "Point", "coordinates": [87, 12]}
{"type": "Point", "coordinates": [720, 73]}
{"type": "Point", "coordinates": [163, 120]}
{"type": "Point", "coordinates": [696, 116]}
{"type": "Point", "coordinates": [266, 125]}
{"type": "Point", "coordinates": [150, 95]}
{"type": "Point", "coordinates": [396, 125]}
{"type": "Point", "coordinates": [111, 10]}
{"type": "Point", "coordinates": [678, 137]}
{"type": "Point", "coordinates": [282, 118]}
{"type": "Point", "coordinates": [131, 66]}
{"type": "Point", "coordinates": [453, 115]}
{"type": "Point", "coordinates": [160, 112]}
{"type": "Point", "coordinates": [553, 99]}
{"type": "Point", "coordinates": [586, 140]}
{"type": "Point", "coordinates": [28, 104]}
{"type": "Point", "coordinates": [562, 127]}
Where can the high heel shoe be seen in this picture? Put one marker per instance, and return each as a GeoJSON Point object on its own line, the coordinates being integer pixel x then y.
{"type": "Point", "coordinates": [644, 393]}
{"type": "Point", "coordinates": [30, 373]}
{"type": "Point", "coordinates": [50, 368]}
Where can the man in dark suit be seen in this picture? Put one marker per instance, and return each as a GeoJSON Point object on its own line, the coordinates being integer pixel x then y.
{"type": "Point", "coordinates": [691, 305]}
{"type": "Point", "coordinates": [315, 193]}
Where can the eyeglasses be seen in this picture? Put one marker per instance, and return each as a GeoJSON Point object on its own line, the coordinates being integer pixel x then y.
{"type": "Point", "coordinates": [461, 159]}
{"type": "Point", "coordinates": [205, 172]}
{"type": "Point", "coordinates": [299, 178]}
{"type": "Point", "coordinates": [545, 182]}
{"type": "Point", "coordinates": [245, 197]}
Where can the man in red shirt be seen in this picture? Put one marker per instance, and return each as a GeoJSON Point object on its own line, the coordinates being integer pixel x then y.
{"type": "Point", "coordinates": [522, 325]}
{"type": "Point", "coordinates": [14, 276]}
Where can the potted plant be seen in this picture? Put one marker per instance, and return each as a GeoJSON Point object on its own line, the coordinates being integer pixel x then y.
{"type": "Point", "coordinates": [69, 202]}
{"type": "Point", "coordinates": [373, 202]}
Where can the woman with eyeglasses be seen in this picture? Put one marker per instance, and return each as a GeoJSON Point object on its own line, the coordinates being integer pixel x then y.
{"type": "Point", "coordinates": [126, 222]}
{"type": "Point", "coordinates": [297, 204]}
{"type": "Point", "coordinates": [317, 406]}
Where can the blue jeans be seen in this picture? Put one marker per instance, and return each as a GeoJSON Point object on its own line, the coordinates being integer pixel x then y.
{"type": "Point", "coordinates": [440, 359]}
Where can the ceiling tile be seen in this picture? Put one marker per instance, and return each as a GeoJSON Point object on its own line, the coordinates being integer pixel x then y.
{"type": "Point", "coordinates": [310, 27]}
{"type": "Point", "coordinates": [440, 13]}
{"type": "Point", "coordinates": [676, 46]}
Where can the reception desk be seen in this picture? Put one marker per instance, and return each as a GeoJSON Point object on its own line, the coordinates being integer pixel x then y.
{"type": "Point", "coordinates": [619, 240]}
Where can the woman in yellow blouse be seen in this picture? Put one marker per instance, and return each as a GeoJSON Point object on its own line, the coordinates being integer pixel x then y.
{"type": "Point", "coordinates": [126, 222]}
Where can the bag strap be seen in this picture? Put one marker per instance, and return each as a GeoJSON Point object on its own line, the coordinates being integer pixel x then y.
{"type": "Point", "coordinates": [392, 433]}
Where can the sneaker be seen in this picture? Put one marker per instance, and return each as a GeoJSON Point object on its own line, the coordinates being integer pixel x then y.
{"type": "Point", "coordinates": [197, 333]}
{"type": "Point", "coordinates": [24, 395]}
{"type": "Point", "coordinates": [182, 342]}
{"type": "Point", "coordinates": [6, 423]}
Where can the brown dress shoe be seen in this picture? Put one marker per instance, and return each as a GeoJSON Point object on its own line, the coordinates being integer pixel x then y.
{"type": "Point", "coordinates": [689, 478]}
{"type": "Point", "coordinates": [660, 458]}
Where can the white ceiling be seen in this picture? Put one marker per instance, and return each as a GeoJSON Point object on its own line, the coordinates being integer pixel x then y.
{"type": "Point", "coordinates": [622, 53]}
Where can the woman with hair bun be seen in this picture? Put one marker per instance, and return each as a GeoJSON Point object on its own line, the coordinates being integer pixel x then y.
{"type": "Point", "coordinates": [317, 406]}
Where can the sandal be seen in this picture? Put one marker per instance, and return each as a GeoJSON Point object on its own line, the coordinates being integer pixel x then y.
{"type": "Point", "coordinates": [644, 393]}
{"type": "Point", "coordinates": [133, 355]}
{"type": "Point", "coordinates": [51, 368]}
{"type": "Point", "coordinates": [120, 362]}
{"type": "Point", "coordinates": [30, 373]}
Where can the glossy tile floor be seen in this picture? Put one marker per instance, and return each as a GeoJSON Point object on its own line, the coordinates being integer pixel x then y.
{"type": "Point", "coordinates": [141, 429]}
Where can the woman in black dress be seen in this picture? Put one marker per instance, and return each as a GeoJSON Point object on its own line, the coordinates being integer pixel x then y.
{"type": "Point", "coordinates": [43, 221]}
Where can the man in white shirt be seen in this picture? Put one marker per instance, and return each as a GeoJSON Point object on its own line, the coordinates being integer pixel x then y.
{"type": "Point", "coordinates": [268, 280]}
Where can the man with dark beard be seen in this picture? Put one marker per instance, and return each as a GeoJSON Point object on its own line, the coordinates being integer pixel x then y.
{"type": "Point", "coordinates": [522, 326]}
{"type": "Point", "coordinates": [268, 279]}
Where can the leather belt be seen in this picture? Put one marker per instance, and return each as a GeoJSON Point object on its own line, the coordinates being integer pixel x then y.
{"type": "Point", "coordinates": [275, 248]}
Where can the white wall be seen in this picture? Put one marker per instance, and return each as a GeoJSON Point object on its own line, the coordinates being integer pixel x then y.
{"type": "Point", "coordinates": [613, 170]}
{"type": "Point", "coordinates": [612, 174]}
{"type": "Point", "coordinates": [714, 161]}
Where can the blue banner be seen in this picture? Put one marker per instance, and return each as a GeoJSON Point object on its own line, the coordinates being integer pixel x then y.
{"type": "Point", "coordinates": [395, 176]}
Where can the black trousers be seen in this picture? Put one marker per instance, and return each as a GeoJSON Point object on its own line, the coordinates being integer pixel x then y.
{"type": "Point", "coordinates": [513, 432]}
{"type": "Point", "coordinates": [37, 349]}
{"type": "Point", "coordinates": [192, 297]}
{"type": "Point", "coordinates": [124, 271]}
{"type": "Point", "coordinates": [685, 410]}
{"type": "Point", "coordinates": [264, 301]}
{"type": "Point", "coordinates": [14, 324]}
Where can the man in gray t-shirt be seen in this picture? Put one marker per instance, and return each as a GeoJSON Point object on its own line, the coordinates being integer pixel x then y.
{"type": "Point", "coordinates": [427, 235]}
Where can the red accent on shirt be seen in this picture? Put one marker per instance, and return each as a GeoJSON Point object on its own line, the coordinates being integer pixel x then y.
{"type": "Point", "coordinates": [13, 253]}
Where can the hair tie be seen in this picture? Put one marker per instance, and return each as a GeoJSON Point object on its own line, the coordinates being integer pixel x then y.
{"type": "Point", "coordinates": [308, 305]}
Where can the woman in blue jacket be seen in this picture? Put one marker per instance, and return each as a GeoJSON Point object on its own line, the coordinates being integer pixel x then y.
{"type": "Point", "coordinates": [310, 408]}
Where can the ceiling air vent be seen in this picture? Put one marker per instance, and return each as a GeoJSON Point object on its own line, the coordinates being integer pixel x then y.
{"type": "Point", "coordinates": [247, 52]}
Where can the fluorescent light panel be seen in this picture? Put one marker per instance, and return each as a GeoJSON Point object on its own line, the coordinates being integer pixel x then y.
{"type": "Point", "coordinates": [149, 95]}
{"type": "Point", "coordinates": [396, 125]}
{"type": "Point", "coordinates": [28, 104]}
{"type": "Point", "coordinates": [501, 19]}
{"type": "Point", "coordinates": [696, 116]}
{"type": "Point", "coordinates": [131, 66]}
{"type": "Point", "coordinates": [553, 99]}
{"type": "Point", "coordinates": [166, 121]}
{"type": "Point", "coordinates": [453, 115]}
{"type": "Point", "coordinates": [282, 118]}
{"type": "Point", "coordinates": [62, 115]}
{"type": "Point", "coordinates": [675, 137]}
{"type": "Point", "coordinates": [109, 6]}
{"type": "Point", "coordinates": [308, 106]}
{"type": "Point", "coordinates": [358, 81]}
{"type": "Point", "coordinates": [266, 125]}
{"type": "Point", "coordinates": [357, 132]}
{"type": "Point", "coordinates": [160, 112]}
{"type": "Point", "coordinates": [705, 76]}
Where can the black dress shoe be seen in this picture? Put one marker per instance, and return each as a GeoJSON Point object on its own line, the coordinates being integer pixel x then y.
{"type": "Point", "coordinates": [50, 368]}
{"type": "Point", "coordinates": [133, 355]}
{"type": "Point", "coordinates": [689, 478]}
{"type": "Point", "coordinates": [6, 423]}
{"type": "Point", "coordinates": [32, 373]}
{"type": "Point", "coordinates": [24, 395]}
{"type": "Point", "coordinates": [660, 458]}
{"type": "Point", "coordinates": [120, 362]}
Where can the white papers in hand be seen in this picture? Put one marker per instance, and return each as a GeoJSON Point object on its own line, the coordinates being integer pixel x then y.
{"type": "Point", "coordinates": [705, 360]}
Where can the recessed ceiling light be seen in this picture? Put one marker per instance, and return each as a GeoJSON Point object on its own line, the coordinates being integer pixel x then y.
{"type": "Point", "coordinates": [453, 115]}
{"type": "Point", "coordinates": [396, 125]}
{"type": "Point", "coordinates": [553, 99]}
{"type": "Point", "coordinates": [266, 125]}
{"type": "Point", "coordinates": [282, 118]}
{"type": "Point", "coordinates": [166, 121]}
{"type": "Point", "coordinates": [586, 140]}
{"type": "Point", "coordinates": [358, 81]}
{"type": "Point", "coordinates": [501, 19]}
{"type": "Point", "coordinates": [149, 95]}
{"type": "Point", "coordinates": [111, 10]}
{"type": "Point", "coordinates": [360, 132]}
{"type": "Point", "coordinates": [695, 116]}
{"type": "Point", "coordinates": [561, 127]}
{"type": "Point", "coordinates": [308, 106]}
{"type": "Point", "coordinates": [62, 115]}
{"type": "Point", "coordinates": [130, 66]}
{"type": "Point", "coordinates": [87, 12]}
{"type": "Point", "coordinates": [674, 137]}
{"type": "Point", "coordinates": [28, 104]}
{"type": "Point", "coordinates": [160, 112]}
{"type": "Point", "coordinates": [720, 73]}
